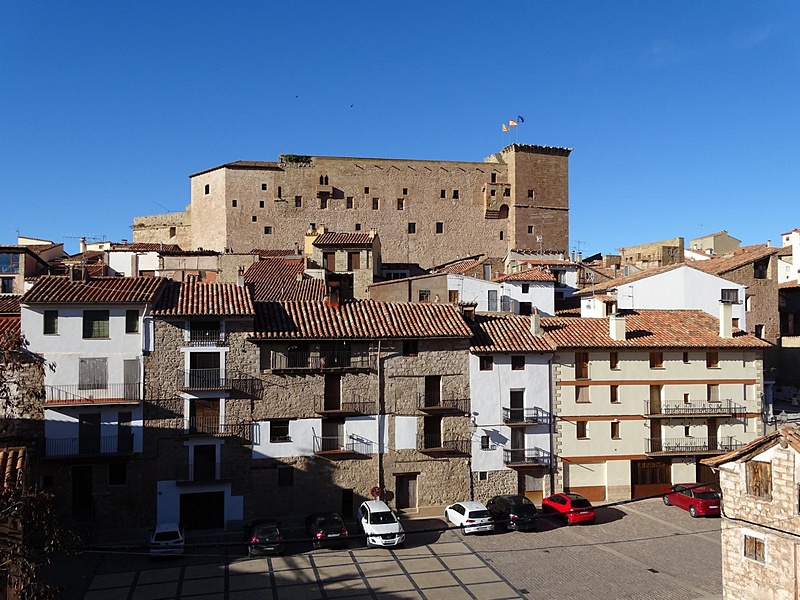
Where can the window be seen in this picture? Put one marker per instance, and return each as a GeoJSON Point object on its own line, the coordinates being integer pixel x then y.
{"type": "Point", "coordinates": [525, 308]}
{"type": "Point", "coordinates": [329, 261]}
{"type": "Point", "coordinates": [581, 365]}
{"type": "Point", "coordinates": [424, 295]}
{"type": "Point", "coordinates": [50, 322]}
{"type": "Point", "coordinates": [582, 394]}
{"type": "Point", "coordinates": [754, 548]}
{"type": "Point", "coordinates": [452, 296]}
{"type": "Point", "coordinates": [526, 287]}
{"type": "Point", "coordinates": [439, 227]}
{"type": "Point", "coordinates": [348, 202]}
{"type": "Point", "coordinates": [712, 392]}
{"type": "Point", "coordinates": [254, 218]}
{"type": "Point", "coordinates": [486, 363]}
{"type": "Point", "coordinates": [484, 442]}
{"type": "Point", "coordinates": [9, 262]}
{"type": "Point", "coordinates": [298, 201]}
{"type": "Point", "coordinates": [405, 191]}
{"type": "Point", "coordinates": [366, 190]}
{"type": "Point", "coordinates": [285, 476]}
{"type": "Point", "coordinates": [412, 228]}
{"type": "Point", "coordinates": [735, 322]}
{"type": "Point", "coordinates": [614, 430]}
{"type": "Point", "coordinates": [686, 358]}
{"type": "Point", "coordinates": [95, 324]}
{"type": "Point", "coordinates": [731, 296]}
{"type": "Point", "coordinates": [760, 269]}
{"type": "Point", "coordinates": [581, 430]}
{"type": "Point", "coordinates": [687, 431]}
{"type": "Point", "coordinates": [280, 194]}
{"type": "Point", "coordinates": [375, 204]}
{"type": "Point", "coordinates": [323, 203]}
{"type": "Point", "coordinates": [117, 473]}
{"type": "Point", "coordinates": [494, 177]}
{"type": "Point", "coordinates": [234, 203]}
{"type": "Point", "coordinates": [279, 431]}
{"type": "Point", "coordinates": [656, 360]}
{"type": "Point", "coordinates": [207, 189]}
{"type": "Point", "coordinates": [530, 193]}
{"type": "Point", "coordinates": [443, 194]}
{"type": "Point", "coordinates": [353, 261]}
{"type": "Point", "coordinates": [260, 204]}
{"type": "Point", "coordinates": [132, 321]}
{"type": "Point", "coordinates": [613, 361]}
{"type": "Point", "coordinates": [759, 331]}
{"type": "Point", "coordinates": [759, 479]}
{"type": "Point", "coordinates": [530, 228]}
{"type": "Point", "coordinates": [410, 347]}
{"type": "Point", "coordinates": [92, 373]}
{"type": "Point", "coordinates": [172, 232]}
{"type": "Point", "coordinates": [493, 193]}
{"type": "Point", "coordinates": [507, 191]}
{"type": "Point", "coordinates": [267, 229]}
{"type": "Point", "coordinates": [358, 227]}
{"type": "Point", "coordinates": [483, 475]}
{"type": "Point", "coordinates": [518, 363]}
{"type": "Point", "coordinates": [614, 394]}
{"type": "Point", "coordinates": [400, 204]}
{"type": "Point", "coordinates": [502, 234]}
{"type": "Point", "coordinates": [712, 360]}
{"type": "Point", "coordinates": [455, 194]}
{"type": "Point", "coordinates": [263, 187]}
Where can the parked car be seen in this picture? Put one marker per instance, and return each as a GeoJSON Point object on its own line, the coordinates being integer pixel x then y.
{"type": "Point", "coordinates": [326, 529]}
{"type": "Point", "coordinates": [380, 524]}
{"type": "Point", "coordinates": [518, 512]}
{"type": "Point", "coordinates": [264, 537]}
{"type": "Point", "coordinates": [474, 517]}
{"type": "Point", "coordinates": [166, 539]}
{"type": "Point", "coordinates": [699, 499]}
{"type": "Point", "coordinates": [573, 507]}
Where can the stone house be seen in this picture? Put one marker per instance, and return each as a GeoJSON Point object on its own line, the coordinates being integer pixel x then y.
{"type": "Point", "coordinates": [715, 243]}
{"type": "Point", "coordinates": [17, 263]}
{"type": "Point", "coordinates": [425, 211]}
{"type": "Point", "coordinates": [347, 262]}
{"type": "Point", "coordinates": [760, 528]}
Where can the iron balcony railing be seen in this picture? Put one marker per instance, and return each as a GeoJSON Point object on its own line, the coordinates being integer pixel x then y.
{"type": "Point", "coordinates": [527, 456]}
{"type": "Point", "coordinates": [212, 426]}
{"type": "Point", "coordinates": [692, 408]}
{"type": "Point", "coordinates": [435, 403]}
{"type": "Point", "coordinates": [341, 444]}
{"type": "Point", "coordinates": [435, 442]}
{"type": "Point", "coordinates": [202, 472]}
{"type": "Point", "coordinates": [207, 337]}
{"type": "Point", "coordinates": [526, 416]}
{"type": "Point", "coordinates": [105, 393]}
{"type": "Point", "coordinates": [216, 379]}
{"type": "Point", "coordinates": [323, 361]}
{"type": "Point", "coordinates": [354, 404]}
{"type": "Point", "coordinates": [691, 445]}
{"type": "Point", "coordinates": [89, 446]}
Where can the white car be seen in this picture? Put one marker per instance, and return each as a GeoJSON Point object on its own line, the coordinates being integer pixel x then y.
{"type": "Point", "coordinates": [474, 517]}
{"type": "Point", "coordinates": [166, 539]}
{"type": "Point", "coordinates": [380, 524]}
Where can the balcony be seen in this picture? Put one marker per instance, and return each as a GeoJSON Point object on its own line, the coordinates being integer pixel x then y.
{"type": "Point", "coordinates": [332, 361]}
{"type": "Point", "coordinates": [340, 446]}
{"type": "Point", "coordinates": [202, 472]}
{"type": "Point", "coordinates": [216, 379]}
{"type": "Point", "coordinates": [199, 338]}
{"type": "Point", "coordinates": [435, 444]}
{"type": "Point", "coordinates": [96, 446]}
{"type": "Point", "coordinates": [210, 426]}
{"type": "Point", "coordinates": [81, 394]}
{"type": "Point", "coordinates": [690, 446]}
{"type": "Point", "coordinates": [694, 408]}
{"type": "Point", "coordinates": [522, 417]}
{"type": "Point", "coordinates": [355, 405]}
{"type": "Point", "coordinates": [434, 404]}
{"type": "Point", "coordinates": [527, 457]}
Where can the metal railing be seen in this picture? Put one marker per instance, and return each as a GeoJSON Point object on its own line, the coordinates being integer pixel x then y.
{"type": "Point", "coordinates": [85, 445]}
{"type": "Point", "coordinates": [215, 379]}
{"type": "Point", "coordinates": [435, 442]}
{"type": "Point", "coordinates": [353, 404]}
{"type": "Point", "coordinates": [212, 426]}
{"type": "Point", "coordinates": [202, 472]}
{"type": "Point", "coordinates": [527, 456]}
{"type": "Point", "coordinates": [436, 402]}
{"type": "Point", "coordinates": [691, 445]}
{"type": "Point", "coordinates": [698, 408]}
{"type": "Point", "coordinates": [78, 393]}
{"type": "Point", "coordinates": [341, 443]}
{"type": "Point", "coordinates": [207, 337]}
{"type": "Point", "coordinates": [320, 361]}
{"type": "Point", "coordinates": [527, 416]}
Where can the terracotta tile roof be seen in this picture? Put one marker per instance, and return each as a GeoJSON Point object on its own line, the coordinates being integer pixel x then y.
{"type": "Point", "coordinates": [58, 289]}
{"type": "Point", "coordinates": [359, 319]}
{"type": "Point", "coordinates": [10, 331]}
{"type": "Point", "coordinates": [195, 298]}
{"type": "Point", "coordinates": [789, 284]}
{"type": "Point", "coordinates": [146, 247]}
{"type": "Point", "coordinates": [43, 247]}
{"type": "Point", "coordinates": [506, 333]}
{"type": "Point", "coordinates": [265, 271]}
{"type": "Point", "coordinates": [273, 253]}
{"type": "Point", "coordinates": [739, 258]}
{"type": "Point", "coordinates": [331, 238]}
{"type": "Point", "coordinates": [790, 433]}
{"type": "Point", "coordinates": [611, 284]}
{"type": "Point", "coordinates": [648, 329]}
{"type": "Point", "coordinates": [528, 275]}
{"type": "Point", "coordinates": [461, 266]}
{"type": "Point", "coordinates": [551, 262]}
{"type": "Point", "coordinates": [282, 280]}
{"type": "Point", "coordinates": [9, 304]}
{"type": "Point", "coordinates": [12, 467]}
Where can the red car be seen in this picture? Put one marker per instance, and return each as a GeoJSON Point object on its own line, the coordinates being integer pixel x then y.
{"type": "Point", "coordinates": [574, 507]}
{"type": "Point", "coordinates": [699, 499]}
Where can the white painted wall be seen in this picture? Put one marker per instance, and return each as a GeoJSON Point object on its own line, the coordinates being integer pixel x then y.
{"type": "Point", "coordinates": [405, 433]}
{"type": "Point", "coordinates": [63, 423]}
{"type": "Point", "coordinates": [540, 294]}
{"type": "Point", "coordinates": [302, 431]}
{"type": "Point", "coordinates": [131, 264]}
{"type": "Point", "coordinates": [168, 504]}
{"type": "Point", "coordinates": [471, 289]}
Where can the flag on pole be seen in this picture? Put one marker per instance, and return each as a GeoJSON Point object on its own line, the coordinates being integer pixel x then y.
{"type": "Point", "coordinates": [520, 119]}
{"type": "Point", "coordinates": [512, 123]}
{"type": "Point", "coordinates": [504, 127]}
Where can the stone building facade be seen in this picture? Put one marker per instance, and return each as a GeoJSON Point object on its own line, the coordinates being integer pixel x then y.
{"type": "Point", "coordinates": [426, 212]}
{"type": "Point", "coordinates": [760, 527]}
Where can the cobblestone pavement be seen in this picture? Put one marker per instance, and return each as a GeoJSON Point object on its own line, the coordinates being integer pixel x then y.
{"type": "Point", "coordinates": [640, 551]}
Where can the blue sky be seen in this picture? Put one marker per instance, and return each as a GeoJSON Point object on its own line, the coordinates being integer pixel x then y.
{"type": "Point", "coordinates": [683, 116]}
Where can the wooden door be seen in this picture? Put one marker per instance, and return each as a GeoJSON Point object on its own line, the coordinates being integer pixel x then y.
{"type": "Point", "coordinates": [655, 399]}
{"type": "Point", "coordinates": [204, 467]}
{"type": "Point", "coordinates": [433, 390]}
{"type": "Point", "coordinates": [130, 374]}
{"type": "Point", "coordinates": [204, 415]}
{"type": "Point", "coordinates": [333, 392]}
{"type": "Point", "coordinates": [517, 400]}
{"type": "Point", "coordinates": [406, 491]}
{"type": "Point", "coordinates": [89, 433]}
{"type": "Point", "coordinates": [517, 445]}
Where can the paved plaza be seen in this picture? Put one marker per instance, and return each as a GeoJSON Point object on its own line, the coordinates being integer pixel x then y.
{"type": "Point", "coordinates": [639, 551]}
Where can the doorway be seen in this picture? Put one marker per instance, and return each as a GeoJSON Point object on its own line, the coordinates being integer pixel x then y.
{"type": "Point", "coordinates": [406, 496]}
{"type": "Point", "coordinates": [82, 491]}
{"type": "Point", "coordinates": [203, 511]}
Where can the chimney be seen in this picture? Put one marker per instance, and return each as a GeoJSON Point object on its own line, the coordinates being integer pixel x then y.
{"type": "Point", "coordinates": [83, 245]}
{"type": "Point", "coordinates": [467, 310]}
{"type": "Point", "coordinates": [725, 319]}
{"type": "Point", "coordinates": [536, 323]}
{"type": "Point", "coordinates": [616, 327]}
{"type": "Point", "coordinates": [240, 277]}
